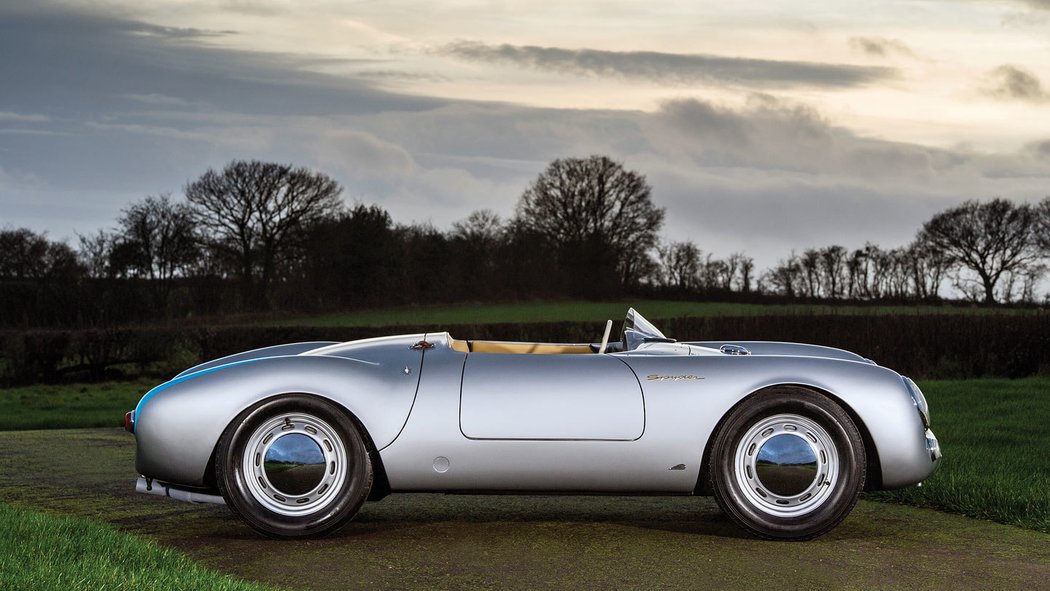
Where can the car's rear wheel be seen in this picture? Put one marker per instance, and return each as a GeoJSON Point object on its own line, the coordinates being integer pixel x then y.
{"type": "Point", "coordinates": [294, 466]}
{"type": "Point", "coordinates": [788, 463]}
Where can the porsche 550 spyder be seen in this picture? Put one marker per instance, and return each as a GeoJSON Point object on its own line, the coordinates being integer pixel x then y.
{"type": "Point", "coordinates": [295, 438]}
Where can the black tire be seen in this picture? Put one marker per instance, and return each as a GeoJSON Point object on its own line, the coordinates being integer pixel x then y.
{"type": "Point", "coordinates": [323, 474]}
{"type": "Point", "coordinates": [802, 497]}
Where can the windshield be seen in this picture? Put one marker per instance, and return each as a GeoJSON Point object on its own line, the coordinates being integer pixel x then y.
{"type": "Point", "coordinates": [638, 330]}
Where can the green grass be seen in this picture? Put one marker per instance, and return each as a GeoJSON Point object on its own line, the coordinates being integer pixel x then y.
{"type": "Point", "coordinates": [39, 551]}
{"type": "Point", "coordinates": [475, 313]}
{"type": "Point", "coordinates": [69, 405]}
{"type": "Point", "coordinates": [995, 434]}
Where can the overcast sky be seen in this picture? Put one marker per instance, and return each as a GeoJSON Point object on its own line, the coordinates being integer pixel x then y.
{"type": "Point", "coordinates": [762, 127]}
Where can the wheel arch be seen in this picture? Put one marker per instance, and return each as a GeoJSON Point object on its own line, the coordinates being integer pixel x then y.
{"type": "Point", "coordinates": [873, 476]}
{"type": "Point", "coordinates": [380, 484]}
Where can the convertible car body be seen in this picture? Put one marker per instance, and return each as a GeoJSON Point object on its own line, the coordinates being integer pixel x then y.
{"type": "Point", "coordinates": [295, 438]}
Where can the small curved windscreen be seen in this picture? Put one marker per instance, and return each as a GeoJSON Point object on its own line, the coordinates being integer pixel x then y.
{"type": "Point", "coordinates": [636, 330]}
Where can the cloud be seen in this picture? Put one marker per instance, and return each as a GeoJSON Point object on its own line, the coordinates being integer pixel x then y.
{"type": "Point", "coordinates": [140, 28]}
{"type": "Point", "coordinates": [1039, 149]}
{"type": "Point", "coordinates": [880, 46]}
{"type": "Point", "coordinates": [672, 68]}
{"type": "Point", "coordinates": [362, 155]}
{"type": "Point", "coordinates": [20, 131]}
{"type": "Point", "coordinates": [1015, 83]}
{"type": "Point", "coordinates": [23, 117]}
{"type": "Point", "coordinates": [159, 100]}
{"type": "Point", "coordinates": [401, 75]}
{"type": "Point", "coordinates": [14, 181]}
{"type": "Point", "coordinates": [165, 132]}
{"type": "Point", "coordinates": [72, 64]}
{"type": "Point", "coordinates": [131, 114]}
{"type": "Point", "coordinates": [775, 135]}
{"type": "Point", "coordinates": [145, 113]}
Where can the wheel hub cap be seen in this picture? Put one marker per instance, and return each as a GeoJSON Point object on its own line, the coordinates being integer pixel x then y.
{"type": "Point", "coordinates": [786, 465]}
{"type": "Point", "coordinates": [295, 464]}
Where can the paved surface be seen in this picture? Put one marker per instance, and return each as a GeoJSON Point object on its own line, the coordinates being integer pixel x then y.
{"type": "Point", "coordinates": [510, 542]}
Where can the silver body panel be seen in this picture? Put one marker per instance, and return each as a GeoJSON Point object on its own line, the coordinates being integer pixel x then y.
{"type": "Point", "coordinates": [779, 348]}
{"type": "Point", "coordinates": [275, 351]}
{"type": "Point", "coordinates": [446, 420]}
{"type": "Point", "coordinates": [525, 397]}
{"type": "Point", "coordinates": [178, 424]}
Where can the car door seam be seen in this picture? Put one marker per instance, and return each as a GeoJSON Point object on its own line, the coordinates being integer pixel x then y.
{"type": "Point", "coordinates": [415, 395]}
{"type": "Point", "coordinates": [641, 392]}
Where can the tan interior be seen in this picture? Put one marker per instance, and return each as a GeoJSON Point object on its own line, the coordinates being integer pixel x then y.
{"type": "Point", "coordinates": [518, 348]}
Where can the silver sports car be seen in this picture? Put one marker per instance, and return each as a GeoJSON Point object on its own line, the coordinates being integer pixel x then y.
{"type": "Point", "coordinates": [295, 438]}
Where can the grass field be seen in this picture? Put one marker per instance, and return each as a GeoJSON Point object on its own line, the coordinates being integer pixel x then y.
{"type": "Point", "coordinates": [475, 313]}
{"type": "Point", "coordinates": [69, 405]}
{"type": "Point", "coordinates": [995, 435]}
{"type": "Point", "coordinates": [39, 551]}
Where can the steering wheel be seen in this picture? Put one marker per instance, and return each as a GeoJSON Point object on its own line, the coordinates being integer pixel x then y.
{"type": "Point", "coordinates": [605, 337]}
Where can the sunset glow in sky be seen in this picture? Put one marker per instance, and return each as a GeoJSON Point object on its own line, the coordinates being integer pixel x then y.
{"type": "Point", "coordinates": [762, 127]}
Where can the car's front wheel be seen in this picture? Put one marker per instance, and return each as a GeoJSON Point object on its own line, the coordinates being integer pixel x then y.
{"type": "Point", "coordinates": [294, 466]}
{"type": "Point", "coordinates": [788, 464]}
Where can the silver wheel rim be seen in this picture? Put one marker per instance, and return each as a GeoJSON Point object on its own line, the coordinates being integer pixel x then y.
{"type": "Point", "coordinates": [305, 443]}
{"type": "Point", "coordinates": [786, 465]}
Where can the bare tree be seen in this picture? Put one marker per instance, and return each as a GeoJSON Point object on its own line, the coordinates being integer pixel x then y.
{"type": "Point", "coordinates": [596, 203]}
{"type": "Point", "coordinates": [1042, 226]}
{"type": "Point", "coordinates": [255, 213]}
{"type": "Point", "coordinates": [786, 278]}
{"type": "Point", "coordinates": [916, 271]}
{"type": "Point", "coordinates": [810, 264]}
{"type": "Point", "coordinates": [988, 239]}
{"type": "Point", "coordinates": [1019, 285]}
{"type": "Point", "coordinates": [899, 284]}
{"type": "Point", "coordinates": [878, 269]}
{"type": "Point", "coordinates": [726, 273]}
{"type": "Point", "coordinates": [482, 227]}
{"type": "Point", "coordinates": [157, 241]}
{"type": "Point", "coordinates": [680, 265]}
{"type": "Point", "coordinates": [928, 266]}
{"type": "Point", "coordinates": [869, 269]}
{"type": "Point", "coordinates": [884, 277]}
{"type": "Point", "coordinates": [833, 270]}
{"type": "Point", "coordinates": [95, 252]}
{"type": "Point", "coordinates": [855, 275]}
{"type": "Point", "coordinates": [746, 265]}
{"type": "Point", "coordinates": [710, 269]}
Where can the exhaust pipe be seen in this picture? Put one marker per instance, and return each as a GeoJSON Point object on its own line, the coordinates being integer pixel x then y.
{"type": "Point", "coordinates": [148, 486]}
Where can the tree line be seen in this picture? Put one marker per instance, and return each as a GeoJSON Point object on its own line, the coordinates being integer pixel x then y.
{"type": "Point", "coordinates": [988, 252]}
{"type": "Point", "coordinates": [259, 236]}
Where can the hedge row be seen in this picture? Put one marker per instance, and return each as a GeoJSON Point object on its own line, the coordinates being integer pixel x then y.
{"type": "Point", "coordinates": [935, 346]}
